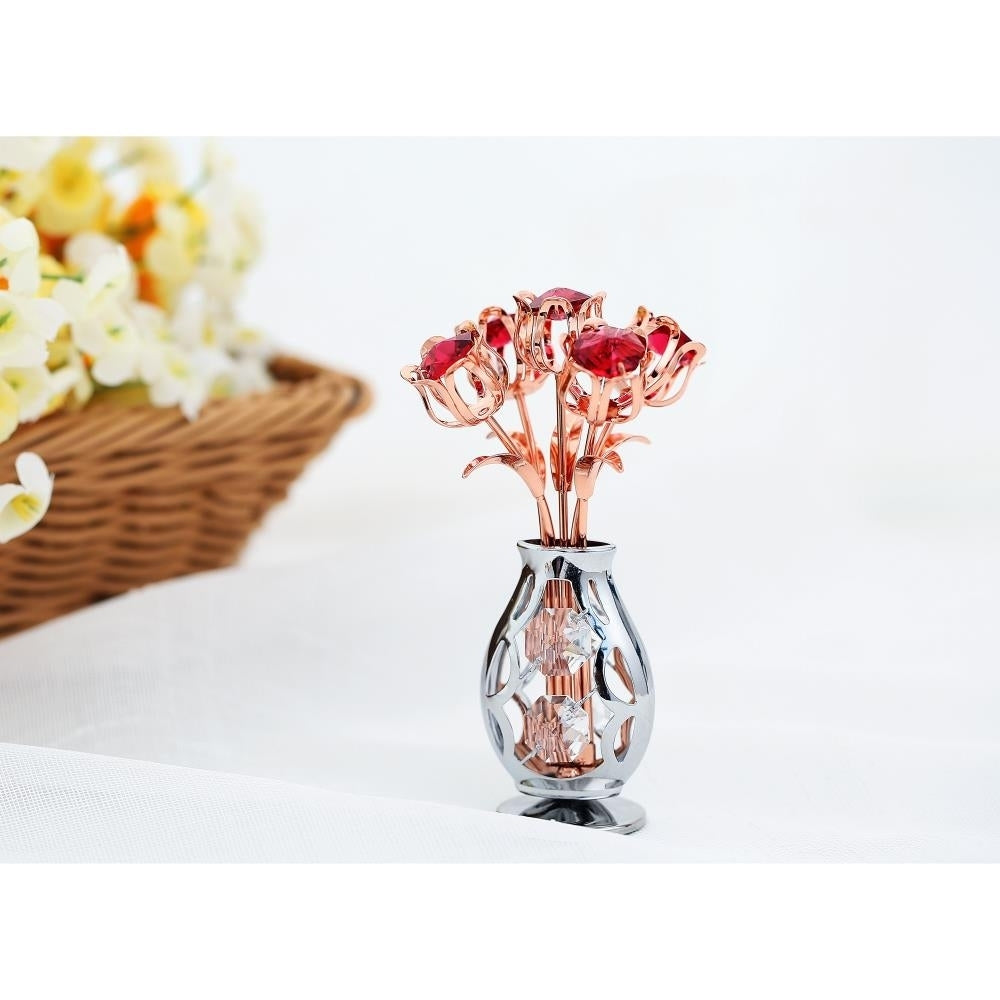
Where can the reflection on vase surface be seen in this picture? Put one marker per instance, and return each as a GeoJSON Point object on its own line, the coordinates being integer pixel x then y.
{"type": "Point", "coordinates": [560, 681]}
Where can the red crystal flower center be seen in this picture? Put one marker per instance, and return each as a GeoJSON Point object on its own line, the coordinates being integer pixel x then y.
{"type": "Point", "coordinates": [574, 298]}
{"type": "Point", "coordinates": [444, 354]}
{"type": "Point", "coordinates": [609, 352]}
{"type": "Point", "coordinates": [497, 334]}
{"type": "Point", "coordinates": [659, 341]}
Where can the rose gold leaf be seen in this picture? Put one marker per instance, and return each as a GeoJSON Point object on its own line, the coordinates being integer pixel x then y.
{"type": "Point", "coordinates": [511, 461]}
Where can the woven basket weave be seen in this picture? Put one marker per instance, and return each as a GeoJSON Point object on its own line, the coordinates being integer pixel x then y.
{"type": "Point", "coordinates": [142, 494]}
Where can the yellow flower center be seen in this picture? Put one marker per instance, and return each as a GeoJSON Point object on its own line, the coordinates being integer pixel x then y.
{"type": "Point", "coordinates": [73, 181]}
{"type": "Point", "coordinates": [73, 197]}
{"type": "Point", "coordinates": [27, 506]}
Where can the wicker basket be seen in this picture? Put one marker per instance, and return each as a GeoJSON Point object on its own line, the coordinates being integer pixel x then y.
{"type": "Point", "coordinates": [143, 495]}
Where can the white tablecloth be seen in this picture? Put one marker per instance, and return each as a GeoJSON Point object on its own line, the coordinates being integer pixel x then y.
{"type": "Point", "coordinates": [320, 708]}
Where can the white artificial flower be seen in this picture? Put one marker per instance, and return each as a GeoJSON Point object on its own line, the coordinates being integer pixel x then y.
{"type": "Point", "coordinates": [244, 341]}
{"type": "Point", "coordinates": [37, 388]}
{"type": "Point", "coordinates": [26, 325]}
{"type": "Point", "coordinates": [183, 378]}
{"type": "Point", "coordinates": [232, 239]}
{"type": "Point", "coordinates": [23, 505]}
{"type": "Point", "coordinates": [244, 376]}
{"type": "Point", "coordinates": [216, 162]}
{"type": "Point", "coordinates": [189, 318]}
{"type": "Point", "coordinates": [113, 342]}
{"type": "Point", "coordinates": [75, 373]}
{"type": "Point", "coordinates": [19, 192]}
{"type": "Point", "coordinates": [100, 321]}
{"type": "Point", "coordinates": [106, 280]}
{"type": "Point", "coordinates": [169, 254]}
{"type": "Point", "coordinates": [26, 155]}
{"type": "Point", "coordinates": [152, 158]}
{"type": "Point", "coordinates": [19, 256]}
{"type": "Point", "coordinates": [83, 250]}
{"type": "Point", "coordinates": [202, 320]}
{"type": "Point", "coordinates": [151, 322]}
{"type": "Point", "coordinates": [10, 411]}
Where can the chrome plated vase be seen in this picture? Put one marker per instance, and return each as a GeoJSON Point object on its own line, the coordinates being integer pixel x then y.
{"type": "Point", "coordinates": [566, 690]}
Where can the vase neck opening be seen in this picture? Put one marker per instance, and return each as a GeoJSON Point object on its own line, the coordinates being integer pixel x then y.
{"type": "Point", "coordinates": [554, 560]}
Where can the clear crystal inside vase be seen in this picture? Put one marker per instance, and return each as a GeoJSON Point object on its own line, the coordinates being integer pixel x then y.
{"type": "Point", "coordinates": [559, 720]}
{"type": "Point", "coordinates": [567, 694]}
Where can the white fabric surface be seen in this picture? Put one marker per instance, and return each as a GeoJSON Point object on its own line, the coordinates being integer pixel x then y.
{"type": "Point", "coordinates": [58, 805]}
{"type": "Point", "coordinates": [328, 709]}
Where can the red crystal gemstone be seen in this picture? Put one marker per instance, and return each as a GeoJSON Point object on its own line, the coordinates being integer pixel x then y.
{"type": "Point", "coordinates": [608, 352]}
{"type": "Point", "coordinates": [659, 339]}
{"type": "Point", "coordinates": [444, 354]}
{"type": "Point", "coordinates": [575, 299]}
{"type": "Point", "coordinates": [497, 334]}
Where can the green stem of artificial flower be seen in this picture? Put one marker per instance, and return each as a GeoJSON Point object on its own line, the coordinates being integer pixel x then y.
{"type": "Point", "coordinates": [125, 161]}
{"type": "Point", "coordinates": [62, 277]}
{"type": "Point", "coordinates": [191, 191]}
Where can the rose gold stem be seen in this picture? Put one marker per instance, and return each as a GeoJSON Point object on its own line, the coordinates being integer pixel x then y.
{"type": "Point", "coordinates": [529, 434]}
{"type": "Point", "coordinates": [580, 522]}
{"type": "Point", "coordinates": [505, 439]}
{"type": "Point", "coordinates": [580, 511]}
{"type": "Point", "coordinates": [561, 462]}
{"type": "Point", "coordinates": [544, 521]}
{"type": "Point", "coordinates": [605, 430]}
{"type": "Point", "coordinates": [544, 517]}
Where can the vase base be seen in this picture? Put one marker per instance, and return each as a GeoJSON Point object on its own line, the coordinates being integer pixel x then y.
{"type": "Point", "coordinates": [614, 815]}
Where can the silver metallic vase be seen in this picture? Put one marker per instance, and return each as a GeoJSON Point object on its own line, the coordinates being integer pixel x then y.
{"type": "Point", "coordinates": [566, 691]}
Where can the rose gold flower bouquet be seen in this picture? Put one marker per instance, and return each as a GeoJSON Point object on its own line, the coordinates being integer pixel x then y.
{"type": "Point", "coordinates": [602, 375]}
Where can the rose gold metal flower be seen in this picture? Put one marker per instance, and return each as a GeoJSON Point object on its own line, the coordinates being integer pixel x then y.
{"type": "Point", "coordinates": [462, 374]}
{"type": "Point", "coordinates": [541, 346]}
{"type": "Point", "coordinates": [538, 340]}
{"type": "Point", "coordinates": [604, 373]}
{"type": "Point", "coordinates": [673, 358]}
{"type": "Point", "coordinates": [498, 328]}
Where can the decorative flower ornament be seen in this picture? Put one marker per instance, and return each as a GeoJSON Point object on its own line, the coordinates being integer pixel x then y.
{"type": "Point", "coordinates": [673, 357]}
{"type": "Point", "coordinates": [612, 361]}
{"type": "Point", "coordinates": [499, 327]}
{"type": "Point", "coordinates": [23, 505]}
{"type": "Point", "coordinates": [462, 374]}
{"type": "Point", "coordinates": [536, 324]}
{"type": "Point", "coordinates": [604, 376]}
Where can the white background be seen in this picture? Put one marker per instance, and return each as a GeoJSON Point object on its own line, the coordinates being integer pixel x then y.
{"type": "Point", "coordinates": [810, 545]}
